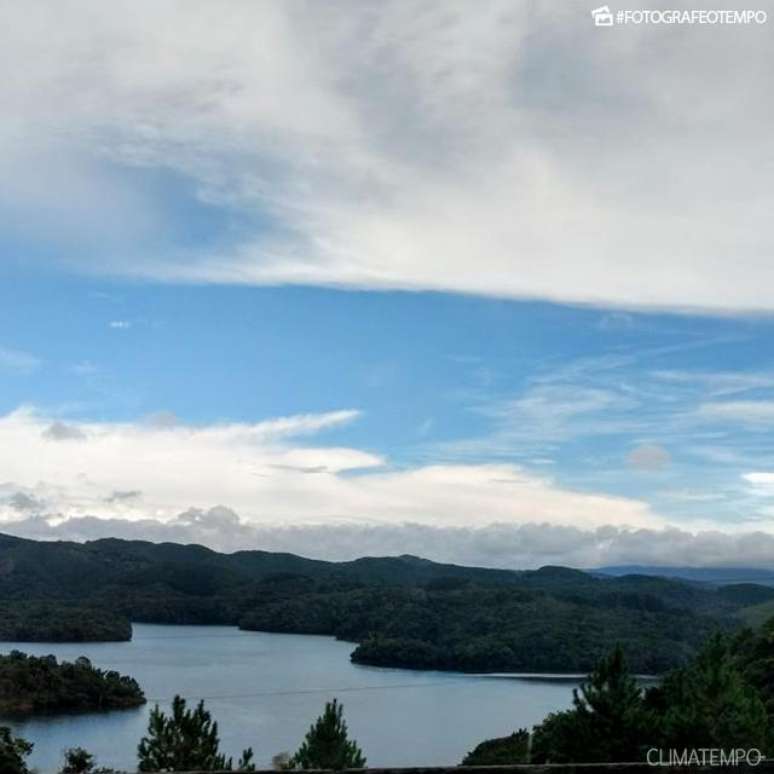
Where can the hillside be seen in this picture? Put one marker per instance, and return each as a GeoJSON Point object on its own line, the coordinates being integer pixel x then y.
{"type": "Point", "coordinates": [31, 567]}
{"type": "Point", "coordinates": [402, 611]}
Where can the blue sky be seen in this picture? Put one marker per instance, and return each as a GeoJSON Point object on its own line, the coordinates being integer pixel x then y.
{"type": "Point", "coordinates": [672, 409]}
{"type": "Point", "coordinates": [460, 272]}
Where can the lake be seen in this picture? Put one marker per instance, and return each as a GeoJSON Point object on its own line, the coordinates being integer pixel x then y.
{"type": "Point", "coordinates": [265, 690]}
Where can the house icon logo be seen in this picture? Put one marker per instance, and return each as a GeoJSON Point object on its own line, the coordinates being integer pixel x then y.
{"type": "Point", "coordinates": [602, 16]}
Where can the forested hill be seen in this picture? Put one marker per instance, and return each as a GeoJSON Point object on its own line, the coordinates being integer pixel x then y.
{"type": "Point", "coordinates": [74, 568]}
{"type": "Point", "coordinates": [403, 611]}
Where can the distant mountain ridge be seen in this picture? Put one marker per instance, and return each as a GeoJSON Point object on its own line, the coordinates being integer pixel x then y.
{"type": "Point", "coordinates": [717, 576]}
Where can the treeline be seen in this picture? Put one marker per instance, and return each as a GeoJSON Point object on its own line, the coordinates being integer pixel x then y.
{"type": "Point", "coordinates": [722, 699]}
{"type": "Point", "coordinates": [459, 625]}
{"type": "Point", "coordinates": [401, 611]}
{"type": "Point", "coordinates": [43, 621]}
{"type": "Point", "coordinates": [30, 684]}
{"type": "Point", "coordinates": [543, 624]}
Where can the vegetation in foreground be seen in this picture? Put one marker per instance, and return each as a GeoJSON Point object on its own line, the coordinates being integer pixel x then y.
{"type": "Point", "coordinates": [187, 740]}
{"type": "Point", "coordinates": [723, 699]}
{"type": "Point", "coordinates": [327, 744]}
{"type": "Point", "coordinates": [30, 684]}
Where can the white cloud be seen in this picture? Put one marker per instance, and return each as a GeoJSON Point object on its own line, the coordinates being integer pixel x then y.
{"type": "Point", "coordinates": [748, 412]}
{"type": "Point", "coordinates": [18, 362]}
{"type": "Point", "coordinates": [718, 383]}
{"type": "Point", "coordinates": [762, 483]}
{"type": "Point", "coordinates": [120, 325]}
{"type": "Point", "coordinates": [545, 415]}
{"type": "Point", "coordinates": [264, 471]}
{"type": "Point", "coordinates": [496, 148]}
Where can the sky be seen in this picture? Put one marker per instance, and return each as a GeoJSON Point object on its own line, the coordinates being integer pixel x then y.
{"type": "Point", "coordinates": [479, 282]}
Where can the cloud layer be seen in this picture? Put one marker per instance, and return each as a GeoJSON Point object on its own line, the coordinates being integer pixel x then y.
{"type": "Point", "coordinates": [278, 486]}
{"type": "Point", "coordinates": [521, 546]}
{"type": "Point", "coordinates": [266, 473]}
{"type": "Point", "coordinates": [500, 148]}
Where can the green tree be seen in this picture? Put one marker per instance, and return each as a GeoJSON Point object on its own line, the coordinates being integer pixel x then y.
{"type": "Point", "coordinates": [501, 751]}
{"type": "Point", "coordinates": [327, 745]}
{"type": "Point", "coordinates": [611, 703]}
{"type": "Point", "coordinates": [562, 737]}
{"type": "Point", "coordinates": [13, 751]}
{"type": "Point", "coordinates": [77, 761]}
{"type": "Point", "coordinates": [709, 703]}
{"type": "Point", "coordinates": [754, 651]}
{"type": "Point", "coordinates": [608, 722]}
{"type": "Point", "coordinates": [186, 740]}
{"type": "Point", "coordinates": [80, 761]}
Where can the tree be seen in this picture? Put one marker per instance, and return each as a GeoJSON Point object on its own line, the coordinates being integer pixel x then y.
{"type": "Point", "coordinates": [612, 704]}
{"type": "Point", "coordinates": [562, 737]}
{"type": "Point", "coordinates": [501, 751]}
{"type": "Point", "coordinates": [77, 761]}
{"type": "Point", "coordinates": [710, 703]}
{"type": "Point", "coordinates": [185, 741]}
{"type": "Point", "coordinates": [327, 745]}
{"type": "Point", "coordinates": [754, 651]}
{"type": "Point", "coordinates": [13, 751]}
{"type": "Point", "coordinates": [609, 721]}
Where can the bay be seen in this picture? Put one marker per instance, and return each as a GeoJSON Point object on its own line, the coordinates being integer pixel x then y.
{"type": "Point", "coordinates": [265, 690]}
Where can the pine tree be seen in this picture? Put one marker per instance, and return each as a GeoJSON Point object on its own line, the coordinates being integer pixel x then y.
{"type": "Point", "coordinates": [77, 761]}
{"type": "Point", "coordinates": [187, 740]}
{"type": "Point", "coordinates": [327, 745]}
{"type": "Point", "coordinates": [611, 704]}
{"type": "Point", "coordinates": [609, 721]}
{"type": "Point", "coordinates": [710, 704]}
{"type": "Point", "coordinates": [13, 751]}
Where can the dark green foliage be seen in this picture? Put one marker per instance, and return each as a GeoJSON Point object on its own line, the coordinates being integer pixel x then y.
{"type": "Point", "coordinates": [501, 751]}
{"type": "Point", "coordinates": [403, 611]}
{"type": "Point", "coordinates": [35, 621]}
{"type": "Point", "coordinates": [80, 761]}
{"type": "Point", "coordinates": [562, 737]}
{"type": "Point", "coordinates": [609, 721]}
{"type": "Point", "coordinates": [491, 629]}
{"type": "Point", "coordinates": [710, 703]}
{"type": "Point", "coordinates": [187, 740]}
{"type": "Point", "coordinates": [718, 700]}
{"type": "Point", "coordinates": [41, 684]}
{"type": "Point", "coordinates": [755, 654]}
{"type": "Point", "coordinates": [77, 761]}
{"type": "Point", "coordinates": [13, 751]}
{"type": "Point", "coordinates": [327, 745]}
{"type": "Point", "coordinates": [743, 594]}
{"type": "Point", "coordinates": [610, 705]}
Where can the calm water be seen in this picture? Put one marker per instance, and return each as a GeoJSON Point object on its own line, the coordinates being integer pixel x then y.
{"type": "Point", "coordinates": [266, 689]}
